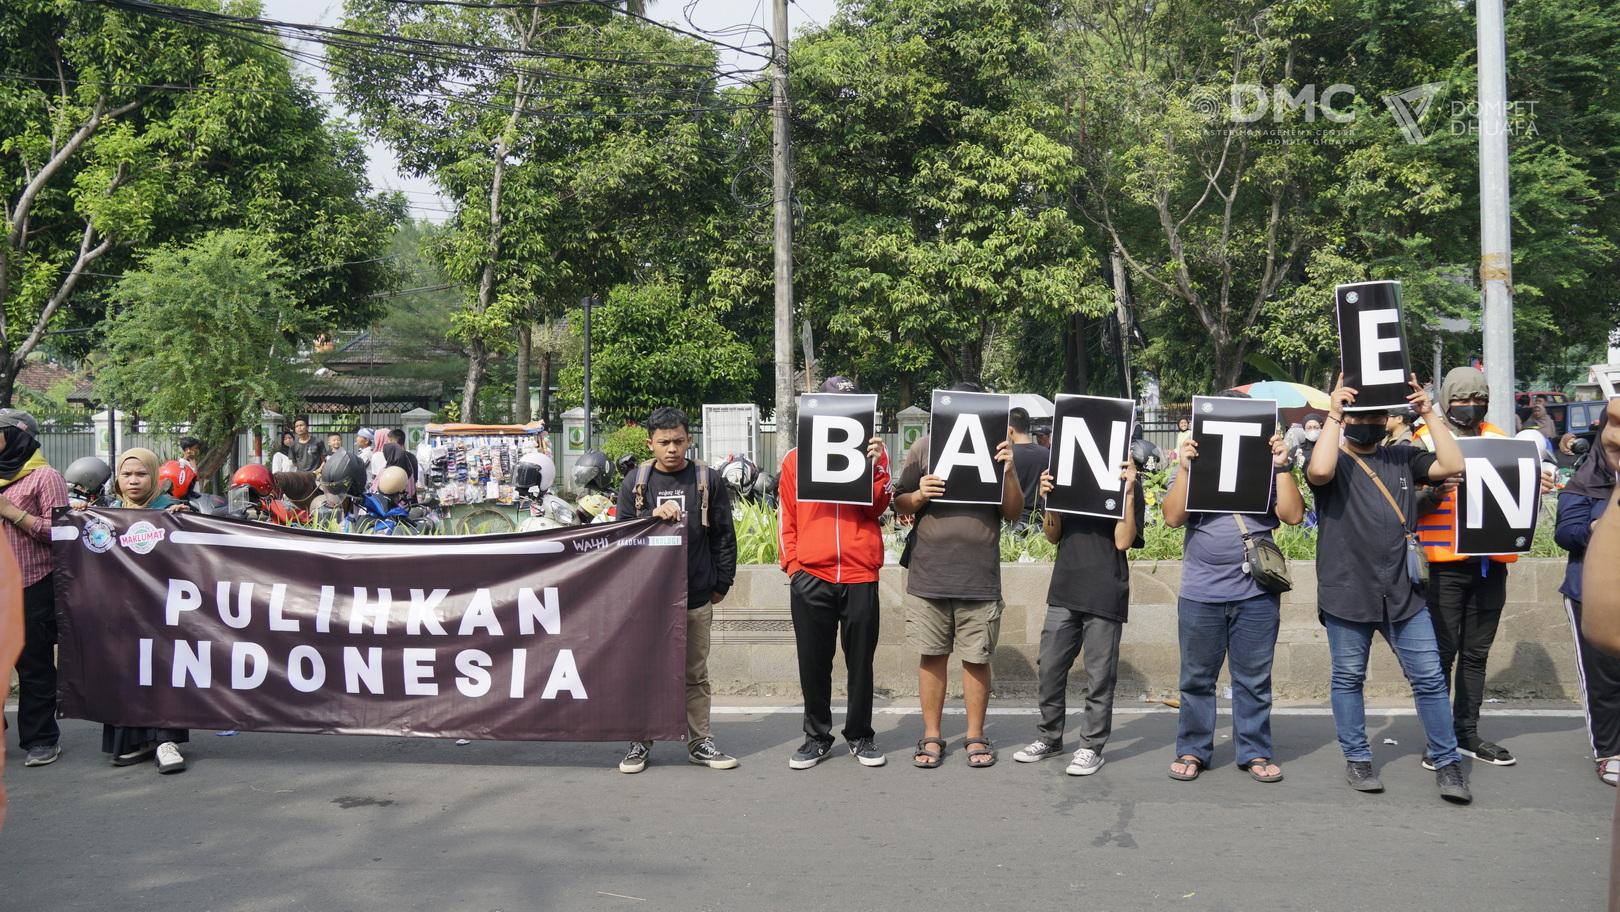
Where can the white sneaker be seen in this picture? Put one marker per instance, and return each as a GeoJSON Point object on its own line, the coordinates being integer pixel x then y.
{"type": "Point", "coordinates": [1086, 761]}
{"type": "Point", "coordinates": [1038, 750]}
{"type": "Point", "coordinates": [169, 759]}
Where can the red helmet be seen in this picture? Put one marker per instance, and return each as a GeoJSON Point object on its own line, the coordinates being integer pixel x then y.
{"type": "Point", "coordinates": [179, 478]}
{"type": "Point", "coordinates": [255, 476]}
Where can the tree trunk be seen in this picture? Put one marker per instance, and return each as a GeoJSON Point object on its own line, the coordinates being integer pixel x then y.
{"type": "Point", "coordinates": [8, 377]}
{"type": "Point", "coordinates": [545, 387]}
{"type": "Point", "coordinates": [477, 361]}
{"type": "Point", "coordinates": [215, 457]}
{"type": "Point", "coordinates": [1076, 356]}
{"type": "Point", "coordinates": [1228, 367]}
{"type": "Point", "coordinates": [525, 349]}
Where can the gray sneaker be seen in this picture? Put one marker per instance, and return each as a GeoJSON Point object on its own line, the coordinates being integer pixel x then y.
{"type": "Point", "coordinates": [704, 753]}
{"type": "Point", "coordinates": [1453, 783]}
{"type": "Point", "coordinates": [1360, 775]}
{"type": "Point", "coordinates": [1038, 750]}
{"type": "Point", "coordinates": [1086, 761]}
{"type": "Point", "coordinates": [42, 755]}
{"type": "Point", "coordinates": [866, 753]}
{"type": "Point", "coordinates": [811, 752]}
{"type": "Point", "coordinates": [635, 759]}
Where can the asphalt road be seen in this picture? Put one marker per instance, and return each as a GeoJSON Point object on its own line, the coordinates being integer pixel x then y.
{"type": "Point", "coordinates": [267, 822]}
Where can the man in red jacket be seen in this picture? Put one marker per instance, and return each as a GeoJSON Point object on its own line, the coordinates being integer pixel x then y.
{"type": "Point", "coordinates": [832, 554]}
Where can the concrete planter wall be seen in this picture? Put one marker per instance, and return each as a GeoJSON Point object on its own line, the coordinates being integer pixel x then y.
{"type": "Point", "coordinates": [753, 652]}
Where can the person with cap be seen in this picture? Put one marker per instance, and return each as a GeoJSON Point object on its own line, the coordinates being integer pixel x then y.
{"type": "Point", "coordinates": [1398, 429]}
{"type": "Point", "coordinates": [1466, 595]}
{"type": "Point", "coordinates": [29, 490]}
{"type": "Point", "coordinates": [832, 554]}
{"type": "Point", "coordinates": [1369, 576]}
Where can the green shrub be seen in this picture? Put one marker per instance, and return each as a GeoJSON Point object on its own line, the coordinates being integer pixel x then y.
{"type": "Point", "coordinates": [630, 440]}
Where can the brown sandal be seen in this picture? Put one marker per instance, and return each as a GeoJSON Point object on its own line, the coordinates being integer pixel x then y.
{"type": "Point", "coordinates": [988, 750]}
{"type": "Point", "coordinates": [929, 757]}
{"type": "Point", "coordinates": [1186, 760]}
{"type": "Point", "coordinates": [1260, 763]}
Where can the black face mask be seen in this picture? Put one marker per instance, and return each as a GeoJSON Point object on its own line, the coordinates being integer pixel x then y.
{"type": "Point", "coordinates": [1465, 415]}
{"type": "Point", "coordinates": [1364, 434]}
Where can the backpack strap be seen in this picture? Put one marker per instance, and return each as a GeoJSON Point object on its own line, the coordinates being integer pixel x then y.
{"type": "Point", "coordinates": [640, 489]}
{"type": "Point", "coordinates": [703, 491]}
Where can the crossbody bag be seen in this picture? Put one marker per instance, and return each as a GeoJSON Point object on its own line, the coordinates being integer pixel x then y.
{"type": "Point", "coordinates": [1417, 562]}
{"type": "Point", "coordinates": [1264, 561]}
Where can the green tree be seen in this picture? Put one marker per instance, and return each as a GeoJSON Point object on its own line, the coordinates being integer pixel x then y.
{"type": "Point", "coordinates": [203, 334]}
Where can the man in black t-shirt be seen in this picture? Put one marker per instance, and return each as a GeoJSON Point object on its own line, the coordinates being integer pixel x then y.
{"type": "Point", "coordinates": [308, 452]}
{"type": "Point", "coordinates": [1087, 604]}
{"type": "Point", "coordinates": [1030, 459]}
{"type": "Point", "coordinates": [1366, 504]}
{"type": "Point", "coordinates": [675, 489]}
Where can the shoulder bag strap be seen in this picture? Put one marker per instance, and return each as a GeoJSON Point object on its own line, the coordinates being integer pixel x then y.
{"type": "Point", "coordinates": [1243, 527]}
{"type": "Point", "coordinates": [1381, 489]}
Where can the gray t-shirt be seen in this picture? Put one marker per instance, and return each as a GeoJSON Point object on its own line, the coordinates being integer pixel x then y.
{"type": "Point", "coordinates": [1212, 560]}
{"type": "Point", "coordinates": [958, 550]}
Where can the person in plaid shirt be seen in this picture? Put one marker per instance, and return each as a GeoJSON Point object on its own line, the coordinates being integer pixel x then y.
{"type": "Point", "coordinates": [29, 490]}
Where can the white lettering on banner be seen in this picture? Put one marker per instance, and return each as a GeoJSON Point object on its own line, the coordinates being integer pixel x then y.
{"type": "Point", "coordinates": [1231, 434]}
{"type": "Point", "coordinates": [368, 670]}
{"type": "Point", "coordinates": [144, 664]}
{"type": "Point", "coordinates": [305, 681]}
{"type": "Point", "coordinates": [480, 615]}
{"type": "Point", "coordinates": [359, 608]}
{"type": "Point", "coordinates": [193, 662]}
{"type": "Point", "coordinates": [424, 612]}
{"type": "Point", "coordinates": [1373, 345]}
{"type": "Point", "coordinates": [243, 615]}
{"type": "Point", "coordinates": [1481, 475]}
{"type": "Point", "coordinates": [564, 677]}
{"type": "Point", "coordinates": [474, 666]}
{"type": "Point", "coordinates": [241, 677]}
{"type": "Point", "coordinates": [183, 596]}
{"type": "Point", "coordinates": [419, 672]}
{"type": "Point", "coordinates": [1074, 433]}
{"type": "Point", "coordinates": [823, 448]}
{"type": "Point", "coordinates": [967, 430]}
{"type": "Point", "coordinates": [279, 623]}
{"type": "Point", "coordinates": [543, 609]}
{"type": "Point", "coordinates": [520, 670]}
{"type": "Point", "coordinates": [323, 613]}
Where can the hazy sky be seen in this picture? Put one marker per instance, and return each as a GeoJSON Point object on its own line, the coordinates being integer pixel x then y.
{"type": "Point", "coordinates": [425, 202]}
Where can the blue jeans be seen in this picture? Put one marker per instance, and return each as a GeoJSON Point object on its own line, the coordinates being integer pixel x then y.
{"type": "Point", "coordinates": [1414, 645]}
{"type": "Point", "coordinates": [1244, 634]}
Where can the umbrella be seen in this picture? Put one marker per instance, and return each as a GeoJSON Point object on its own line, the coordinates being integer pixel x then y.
{"type": "Point", "coordinates": [1037, 406]}
{"type": "Point", "coordinates": [1288, 395]}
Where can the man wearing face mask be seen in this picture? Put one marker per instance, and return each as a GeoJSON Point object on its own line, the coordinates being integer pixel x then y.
{"type": "Point", "coordinates": [1367, 577]}
{"type": "Point", "coordinates": [1308, 438]}
{"type": "Point", "coordinates": [1466, 594]}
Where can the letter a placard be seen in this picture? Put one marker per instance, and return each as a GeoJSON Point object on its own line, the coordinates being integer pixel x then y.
{"type": "Point", "coordinates": [964, 430]}
{"type": "Point", "coordinates": [1499, 498]}
{"type": "Point", "coordinates": [1372, 344]}
{"type": "Point", "coordinates": [833, 432]}
{"type": "Point", "coordinates": [1232, 473]}
{"type": "Point", "coordinates": [1091, 437]}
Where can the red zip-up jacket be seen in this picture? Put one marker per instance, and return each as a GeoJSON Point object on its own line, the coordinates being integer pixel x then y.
{"type": "Point", "coordinates": [840, 543]}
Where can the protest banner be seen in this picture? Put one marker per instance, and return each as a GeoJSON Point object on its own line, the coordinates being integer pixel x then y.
{"type": "Point", "coordinates": [834, 429]}
{"type": "Point", "coordinates": [1091, 439]}
{"type": "Point", "coordinates": [1499, 498]}
{"type": "Point", "coordinates": [1233, 471]}
{"type": "Point", "coordinates": [184, 621]}
{"type": "Point", "coordinates": [964, 430]}
{"type": "Point", "coordinates": [1373, 354]}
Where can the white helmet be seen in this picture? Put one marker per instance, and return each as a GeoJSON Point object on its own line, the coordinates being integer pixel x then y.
{"type": "Point", "coordinates": [1543, 445]}
{"type": "Point", "coordinates": [541, 463]}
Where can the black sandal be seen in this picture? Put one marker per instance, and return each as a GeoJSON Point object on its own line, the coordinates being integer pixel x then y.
{"type": "Point", "coordinates": [1249, 768]}
{"type": "Point", "coordinates": [1186, 760]}
{"type": "Point", "coordinates": [988, 750]}
{"type": "Point", "coordinates": [931, 757]}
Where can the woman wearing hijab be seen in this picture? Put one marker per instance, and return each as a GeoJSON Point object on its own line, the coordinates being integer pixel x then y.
{"type": "Point", "coordinates": [136, 486]}
{"type": "Point", "coordinates": [1580, 505]}
{"type": "Point", "coordinates": [282, 459]}
{"type": "Point", "coordinates": [396, 455]}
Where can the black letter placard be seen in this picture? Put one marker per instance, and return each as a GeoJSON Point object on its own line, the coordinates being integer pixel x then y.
{"type": "Point", "coordinates": [1372, 344]}
{"type": "Point", "coordinates": [1499, 497]}
{"type": "Point", "coordinates": [1232, 473]}
{"type": "Point", "coordinates": [1091, 437]}
{"type": "Point", "coordinates": [964, 430]}
{"type": "Point", "coordinates": [833, 432]}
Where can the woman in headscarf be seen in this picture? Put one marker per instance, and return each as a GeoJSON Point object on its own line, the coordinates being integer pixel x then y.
{"type": "Point", "coordinates": [396, 455]}
{"type": "Point", "coordinates": [282, 459]}
{"type": "Point", "coordinates": [136, 485]}
{"type": "Point", "coordinates": [1583, 500]}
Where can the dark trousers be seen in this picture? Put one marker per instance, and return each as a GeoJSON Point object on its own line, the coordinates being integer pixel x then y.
{"type": "Point", "coordinates": [36, 668]}
{"type": "Point", "coordinates": [1600, 689]}
{"type": "Point", "coordinates": [823, 614]}
{"type": "Point", "coordinates": [1062, 637]}
{"type": "Point", "coordinates": [1465, 602]}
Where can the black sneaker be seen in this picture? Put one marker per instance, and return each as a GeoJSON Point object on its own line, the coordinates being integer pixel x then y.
{"type": "Point", "coordinates": [704, 753]}
{"type": "Point", "coordinates": [1428, 763]}
{"type": "Point", "coordinates": [635, 759]}
{"type": "Point", "coordinates": [866, 753]}
{"type": "Point", "coordinates": [1038, 750]}
{"type": "Point", "coordinates": [1489, 752]}
{"type": "Point", "coordinates": [1360, 775]}
{"type": "Point", "coordinates": [42, 755]}
{"type": "Point", "coordinates": [811, 752]}
{"type": "Point", "coordinates": [1453, 783]}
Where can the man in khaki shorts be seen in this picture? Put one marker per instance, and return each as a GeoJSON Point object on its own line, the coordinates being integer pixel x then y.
{"type": "Point", "coordinates": [953, 595]}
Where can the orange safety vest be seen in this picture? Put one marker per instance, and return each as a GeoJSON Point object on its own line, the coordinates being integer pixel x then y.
{"type": "Point", "coordinates": [1437, 531]}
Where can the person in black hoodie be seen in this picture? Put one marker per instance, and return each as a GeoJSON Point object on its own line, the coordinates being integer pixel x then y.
{"type": "Point", "coordinates": [673, 488]}
{"type": "Point", "coordinates": [1581, 504]}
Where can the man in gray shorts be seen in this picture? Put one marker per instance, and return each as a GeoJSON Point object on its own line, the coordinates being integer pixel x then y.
{"type": "Point", "coordinates": [953, 595]}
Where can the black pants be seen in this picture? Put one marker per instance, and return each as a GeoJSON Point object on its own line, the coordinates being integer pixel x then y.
{"type": "Point", "coordinates": [1600, 689]}
{"type": "Point", "coordinates": [36, 668]}
{"type": "Point", "coordinates": [1465, 602]}
{"type": "Point", "coordinates": [824, 613]}
{"type": "Point", "coordinates": [1062, 637]}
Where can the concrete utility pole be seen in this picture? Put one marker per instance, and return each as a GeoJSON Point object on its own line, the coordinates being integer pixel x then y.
{"type": "Point", "coordinates": [1123, 314]}
{"type": "Point", "coordinates": [1495, 241]}
{"type": "Point", "coordinates": [782, 199]}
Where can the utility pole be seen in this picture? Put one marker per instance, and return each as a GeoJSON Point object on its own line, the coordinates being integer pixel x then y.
{"type": "Point", "coordinates": [586, 303]}
{"type": "Point", "coordinates": [1495, 240]}
{"type": "Point", "coordinates": [782, 200]}
{"type": "Point", "coordinates": [1122, 313]}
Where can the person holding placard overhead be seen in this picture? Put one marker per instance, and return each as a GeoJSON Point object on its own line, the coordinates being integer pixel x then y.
{"type": "Point", "coordinates": [1371, 576]}
{"type": "Point", "coordinates": [953, 592]}
{"type": "Point", "coordinates": [1225, 615]}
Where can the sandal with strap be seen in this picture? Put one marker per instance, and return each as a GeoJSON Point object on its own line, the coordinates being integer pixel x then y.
{"type": "Point", "coordinates": [974, 753]}
{"type": "Point", "coordinates": [929, 757]}
{"type": "Point", "coordinates": [1608, 769]}
{"type": "Point", "coordinates": [1187, 760]}
{"type": "Point", "coordinates": [1253, 766]}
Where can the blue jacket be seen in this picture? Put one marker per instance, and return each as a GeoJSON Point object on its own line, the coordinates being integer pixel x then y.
{"type": "Point", "coordinates": [1576, 513]}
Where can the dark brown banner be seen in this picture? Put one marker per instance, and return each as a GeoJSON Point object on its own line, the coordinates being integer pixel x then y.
{"type": "Point", "coordinates": [201, 622]}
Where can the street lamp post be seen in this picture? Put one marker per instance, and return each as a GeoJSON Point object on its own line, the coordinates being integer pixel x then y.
{"type": "Point", "coordinates": [586, 303]}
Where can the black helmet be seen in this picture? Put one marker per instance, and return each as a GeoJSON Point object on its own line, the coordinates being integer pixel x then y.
{"type": "Point", "coordinates": [343, 474]}
{"type": "Point", "coordinates": [591, 469]}
{"type": "Point", "coordinates": [1147, 454]}
{"type": "Point", "coordinates": [88, 474]}
{"type": "Point", "coordinates": [627, 463]}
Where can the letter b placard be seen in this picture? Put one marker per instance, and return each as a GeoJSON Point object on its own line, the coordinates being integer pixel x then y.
{"type": "Point", "coordinates": [833, 432]}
